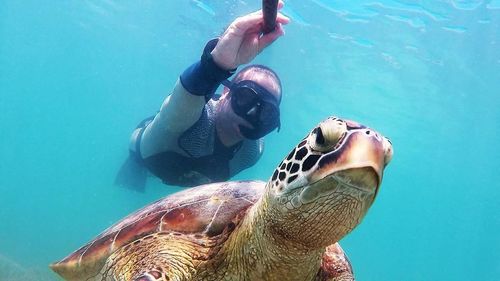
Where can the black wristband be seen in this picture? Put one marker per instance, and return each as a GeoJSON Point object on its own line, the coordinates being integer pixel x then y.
{"type": "Point", "coordinates": [204, 77]}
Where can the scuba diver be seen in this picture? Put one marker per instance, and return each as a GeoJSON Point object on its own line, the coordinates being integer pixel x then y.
{"type": "Point", "coordinates": [197, 137]}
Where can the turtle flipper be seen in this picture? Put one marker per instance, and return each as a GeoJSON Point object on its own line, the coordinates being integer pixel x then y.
{"type": "Point", "coordinates": [335, 266]}
{"type": "Point", "coordinates": [156, 257]}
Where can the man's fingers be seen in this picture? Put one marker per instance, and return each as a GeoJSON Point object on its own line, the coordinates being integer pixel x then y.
{"type": "Point", "coordinates": [248, 21]}
{"type": "Point", "coordinates": [269, 38]}
{"type": "Point", "coordinates": [280, 4]}
{"type": "Point", "coordinates": [253, 22]}
{"type": "Point", "coordinates": [280, 18]}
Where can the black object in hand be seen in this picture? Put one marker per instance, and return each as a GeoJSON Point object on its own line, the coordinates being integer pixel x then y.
{"type": "Point", "coordinates": [270, 11]}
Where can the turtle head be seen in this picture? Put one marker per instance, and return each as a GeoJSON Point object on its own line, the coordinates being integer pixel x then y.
{"type": "Point", "coordinates": [324, 187]}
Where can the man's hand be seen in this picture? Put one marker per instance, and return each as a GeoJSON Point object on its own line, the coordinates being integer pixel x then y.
{"type": "Point", "coordinates": [243, 39]}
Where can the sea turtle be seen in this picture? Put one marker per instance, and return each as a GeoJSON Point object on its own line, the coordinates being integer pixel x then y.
{"type": "Point", "coordinates": [285, 229]}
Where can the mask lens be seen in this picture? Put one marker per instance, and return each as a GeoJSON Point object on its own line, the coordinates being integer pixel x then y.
{"type": "Point", "coordinates": [268, 114]}
{"type": "Point", "coordinates": [243, 100]}
{"type": "Point", "coordinates": [257, 106]}
{"type": "Point", "coordinates": [269, 117]}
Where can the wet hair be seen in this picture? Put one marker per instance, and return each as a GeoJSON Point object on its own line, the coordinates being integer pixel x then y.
{"type": "Point", "coordinates": [261, 69]}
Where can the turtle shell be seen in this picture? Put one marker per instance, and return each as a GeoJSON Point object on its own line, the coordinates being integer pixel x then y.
{"type": "Point", "coordinates": [205, 209]}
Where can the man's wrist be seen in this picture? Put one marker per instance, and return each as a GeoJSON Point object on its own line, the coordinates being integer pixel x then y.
{"type": "Point", "coordinates": [204, 77]}
{"type": "Point", "coordinates": [218, 59]}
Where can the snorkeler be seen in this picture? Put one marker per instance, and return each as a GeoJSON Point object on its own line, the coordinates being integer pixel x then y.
{"type": "Point", "coordinates": [199, 138]}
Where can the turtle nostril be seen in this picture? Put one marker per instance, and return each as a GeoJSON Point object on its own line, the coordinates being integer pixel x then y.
{"type": "Point", "coordinates": [388, 151]}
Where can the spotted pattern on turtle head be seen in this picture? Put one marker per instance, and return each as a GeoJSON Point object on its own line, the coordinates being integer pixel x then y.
{"type": "Point", "coordinates": [303, 158]}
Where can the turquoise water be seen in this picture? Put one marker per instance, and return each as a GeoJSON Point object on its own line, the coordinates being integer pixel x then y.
{"type": "Point", "coordinates": [76, 77]}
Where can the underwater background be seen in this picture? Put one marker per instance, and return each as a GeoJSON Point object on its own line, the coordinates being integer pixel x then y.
{"type": "Point", "coordinates": [77, 76]}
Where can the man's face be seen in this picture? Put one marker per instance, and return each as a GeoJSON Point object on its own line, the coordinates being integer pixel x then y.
{"type": "Point", "coordinates": [254, 105]}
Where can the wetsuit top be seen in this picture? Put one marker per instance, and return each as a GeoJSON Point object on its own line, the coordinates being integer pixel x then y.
{"type": "Point", "coordinates": [203, 158]}
{"type": "Point", "coordinates": [181, 147]}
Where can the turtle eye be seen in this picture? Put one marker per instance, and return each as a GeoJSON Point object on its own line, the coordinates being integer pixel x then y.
{"type": "Point", "coordinates": [326, 135]}
{"type": "Point", "coordinates": [320, 139]}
